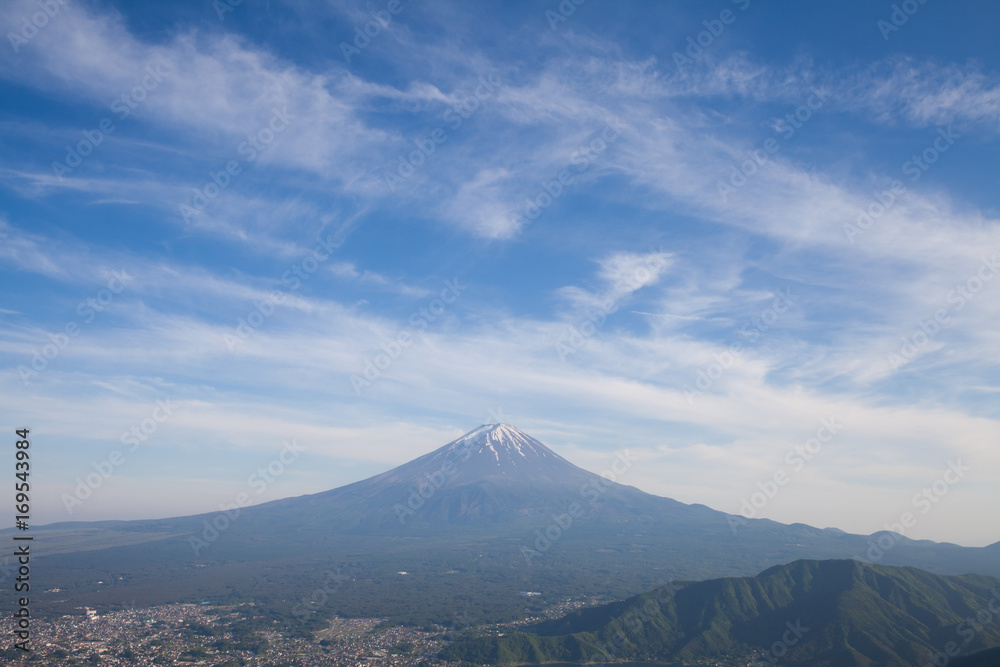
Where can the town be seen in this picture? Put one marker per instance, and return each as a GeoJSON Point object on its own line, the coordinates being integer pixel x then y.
{"type": "Point", "coordinates": [218, 636]}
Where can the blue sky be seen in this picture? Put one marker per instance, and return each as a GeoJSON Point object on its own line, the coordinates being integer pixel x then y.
{"type": "Point", "coordinates": [693, 230]}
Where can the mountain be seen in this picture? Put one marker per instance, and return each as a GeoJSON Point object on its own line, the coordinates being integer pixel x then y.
{"type": "Point", "coordinates": [495, 451]}
{"type": "Point", "coordinates": [487, 515]}
{"type": "Point", "coordinates": [837, 613]}
{"type": "Point", "coordinates": [492, 473]}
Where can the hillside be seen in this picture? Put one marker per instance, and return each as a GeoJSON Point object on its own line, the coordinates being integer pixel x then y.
{"type": "Point", "coordinates": [835, 613]}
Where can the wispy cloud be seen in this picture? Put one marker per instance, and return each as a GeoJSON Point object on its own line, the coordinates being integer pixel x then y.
{"type": "Point", "coordinates": [571, 168]}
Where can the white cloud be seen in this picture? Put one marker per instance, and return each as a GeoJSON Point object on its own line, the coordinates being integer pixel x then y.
{"type": "Point", "coordinates": [348, 270]}
{"type": "Point", "coordinates": [826, 357]}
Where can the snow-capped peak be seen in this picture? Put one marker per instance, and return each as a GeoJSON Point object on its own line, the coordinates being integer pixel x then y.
{"type": "Point", "coordinates": [499, 438]}
{"type": "Point", "coordinates": [501, 449]}
{"type": "Point", "coordinates": [493, 452]}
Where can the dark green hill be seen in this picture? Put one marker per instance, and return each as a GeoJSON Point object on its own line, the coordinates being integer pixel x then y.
{"type": "Point", "coordinates": [836, 613]}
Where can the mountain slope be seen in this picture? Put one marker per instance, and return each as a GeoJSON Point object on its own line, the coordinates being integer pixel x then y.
{"type": "Point", "coordinates": [492, 473]}
{"type": "Point", "coordinates": [836, 613]}
{"type": "Point", "coordinates": [479, 519]}
{"type": "Point", "coordinates": [498, 482]}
